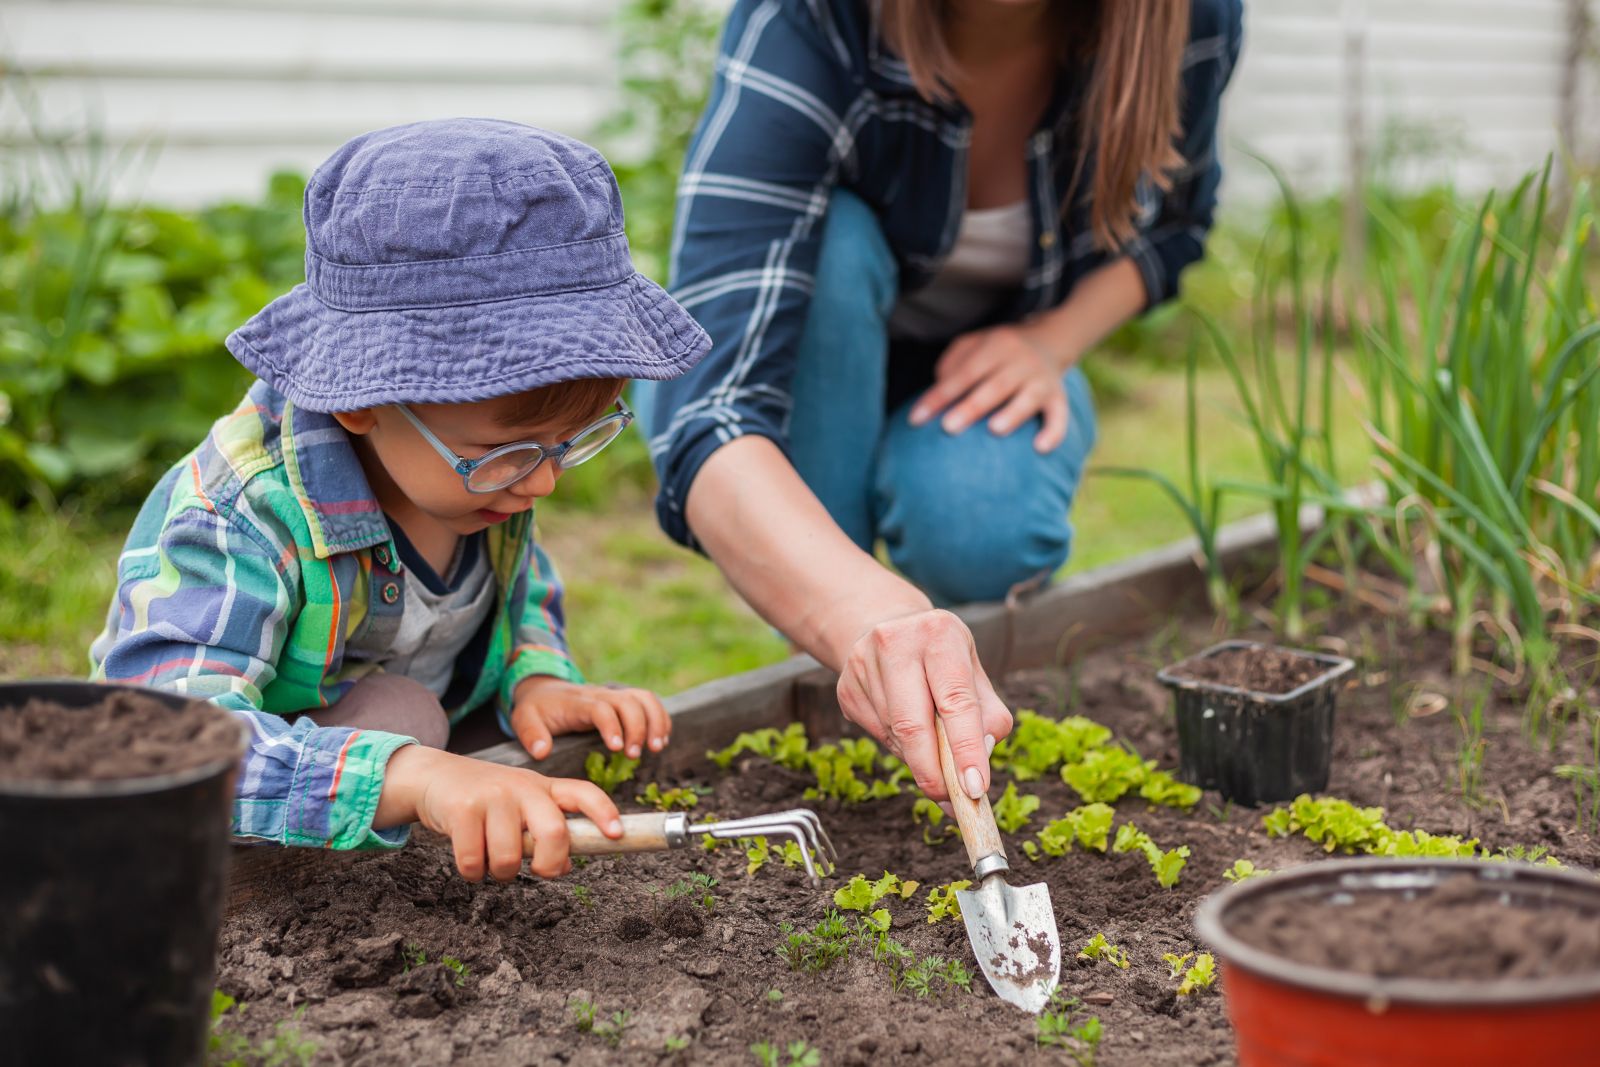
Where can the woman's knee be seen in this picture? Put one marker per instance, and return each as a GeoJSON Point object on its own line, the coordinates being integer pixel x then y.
{"type": "Point", "coordinates": [392, 703]}
{"type": "Point", "coordinates": [856, 271]}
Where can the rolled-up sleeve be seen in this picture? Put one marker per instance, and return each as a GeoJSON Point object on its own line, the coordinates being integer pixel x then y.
{"type": "Point", "coordinates": [1176, 237]}
{"type": "Point", "coordinates": [755, 189]}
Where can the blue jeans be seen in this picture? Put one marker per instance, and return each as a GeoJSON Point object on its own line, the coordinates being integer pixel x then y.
{"type": "Point", "coordinates": [965, 516]}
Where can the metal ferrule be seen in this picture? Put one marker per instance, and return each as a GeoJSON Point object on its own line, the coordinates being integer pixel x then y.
{"type": "Point", "coordinates": [676, 829]}
{"type": "Point", "coordinates": [993, 863]}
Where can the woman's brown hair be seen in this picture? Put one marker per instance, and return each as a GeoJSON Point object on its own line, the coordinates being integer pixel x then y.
{"type": "Point", "coordinates": [1130, 111]}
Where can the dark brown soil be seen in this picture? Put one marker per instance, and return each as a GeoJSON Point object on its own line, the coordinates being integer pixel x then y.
{"type": "Point", "coordinates": [536, 951]}
{"type": "Point", "coordinates": [1457, 931]}
{"type": "Point", "coordinates": [1257, 670]}
{"type": "Point", "coordinates": [125, 736]}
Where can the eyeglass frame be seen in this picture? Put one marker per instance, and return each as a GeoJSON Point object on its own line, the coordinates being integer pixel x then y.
{"type": "Point", "coordinates": [465, 467]}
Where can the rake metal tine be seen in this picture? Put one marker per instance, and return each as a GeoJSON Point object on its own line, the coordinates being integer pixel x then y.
{"type": "Point", "coordinates": [800, 824]}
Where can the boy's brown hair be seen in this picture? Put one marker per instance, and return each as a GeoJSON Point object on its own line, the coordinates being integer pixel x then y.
{"type": "Point", "coordinates": [572, 404]}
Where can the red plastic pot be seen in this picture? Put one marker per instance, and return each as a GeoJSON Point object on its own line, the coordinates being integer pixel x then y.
{"type": "Point", "coordinates": [1288, 1014]}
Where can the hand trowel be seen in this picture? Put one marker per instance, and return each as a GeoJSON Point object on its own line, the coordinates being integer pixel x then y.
{"type": "Point", "coordinates": [1012, 929]}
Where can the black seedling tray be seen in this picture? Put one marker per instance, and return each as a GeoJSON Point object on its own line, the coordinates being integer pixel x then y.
{"type": "Point", "coordinates": [1256, 748]}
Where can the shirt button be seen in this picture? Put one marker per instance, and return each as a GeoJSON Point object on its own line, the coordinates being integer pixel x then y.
{"type": "Point", "coordinates": [1047, 239]}
{"type": "Point", "coordinates": [391, 592]}
{"type": "Point", "coordinates": [383, 554]}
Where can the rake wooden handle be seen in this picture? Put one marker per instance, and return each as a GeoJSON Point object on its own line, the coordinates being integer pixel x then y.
{"type": "Point", "coordinates": [640, 833]}
{"type": "Point", "coordinates": [975, 817]}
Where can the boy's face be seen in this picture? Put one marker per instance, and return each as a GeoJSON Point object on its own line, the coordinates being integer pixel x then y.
{"type": "Point", "coordinates": [405, 470]}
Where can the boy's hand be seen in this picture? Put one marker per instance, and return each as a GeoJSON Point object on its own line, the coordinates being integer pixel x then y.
{"type": "Point", "coordinates": [483, 808]}
{"type": "Point", "coordinates": [627, 719]}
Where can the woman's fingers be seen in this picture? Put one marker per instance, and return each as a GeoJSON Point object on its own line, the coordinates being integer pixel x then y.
{"type": "Point", "coordinates": [949, 665]}
{"type": "Point", "coordinates": [1023, 405]}
{"type": "Point", "coordinates": [965, 363]}
{"type": "Point", "coordinates": [1056, 415]}
{"type": "Point", "coordinates": [989, 394]}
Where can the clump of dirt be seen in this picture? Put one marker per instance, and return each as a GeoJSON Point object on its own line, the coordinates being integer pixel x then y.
{"type": "Point", "coordinates": [539, 957]}
{"type": "Point", "coordinates": [1461, 930]}
{"type": "Point", "coordinates": [1260, 669]}
{"type": "Point", "coordinates": [127, 735]}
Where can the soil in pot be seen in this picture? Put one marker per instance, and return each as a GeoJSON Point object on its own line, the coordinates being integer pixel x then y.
{"type": "Point", "coordinates": [1454, 932]}
{"type": "Point", "coordinates": [1260, 669]}
{"type": "Point", "coordinates": [326, 953]}
{"type": "Point", "coordinates": [127, 735]}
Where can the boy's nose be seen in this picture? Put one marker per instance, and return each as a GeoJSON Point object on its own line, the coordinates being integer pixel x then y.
{"type": "Point", "coordinates": [540, 483]}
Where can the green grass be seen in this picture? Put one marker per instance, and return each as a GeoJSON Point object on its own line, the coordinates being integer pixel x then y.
{"type": "Point", "coordinates": [640, 609]}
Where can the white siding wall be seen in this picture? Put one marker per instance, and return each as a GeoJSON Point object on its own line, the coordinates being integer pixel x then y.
{"type": "Point", "coordinates": [231, 89]}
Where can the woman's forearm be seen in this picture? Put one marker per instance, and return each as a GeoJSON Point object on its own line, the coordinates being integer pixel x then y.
{"type": "Point", "coordinates": [786, 556]}
{"type": "Point", "coordinates": [1098, 304]}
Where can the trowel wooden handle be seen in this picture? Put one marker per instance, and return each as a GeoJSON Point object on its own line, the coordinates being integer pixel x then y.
{"type": "Point", "coordinates": [640, 833]}
{"type": "Point", "coordinates": [975, 817]}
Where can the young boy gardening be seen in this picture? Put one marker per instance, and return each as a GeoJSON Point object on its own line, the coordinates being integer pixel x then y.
{"type": "Point", "coordinates": [348, 561]}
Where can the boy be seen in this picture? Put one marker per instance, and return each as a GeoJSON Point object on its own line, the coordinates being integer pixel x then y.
{"type": "Point", "coordinates": [350, 552]}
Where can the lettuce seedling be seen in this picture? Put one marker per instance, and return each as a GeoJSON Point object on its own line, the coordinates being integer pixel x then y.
{"type": "Point", "coordinates": [677, 799]}
{"type": "Point", "coordinates": [942, 902]}
{"type": "Point", "coordinates": [1038, 744]}
{"type": "Point", "coordinates": [1337, 825]}
{"type": "Point", "coordinates": [1201, 976]}
{"type": "Point", "coordinates": [1243, 870]}
{"type": "Point", "coordinates": [1091, 825]}
{"type": "Point", "coordinates": [1100, 949]}
{"type": "Point", "coordinates": [1056, 1028]}
{"type": "Point", "coordinates": [786, 747]}
{"type": "Point", "coordinates": [609, 770]}
{"type": "Point", "coordinates": [1167, 865]}
{"type": "Point", "coordinates": [1175, 963]}
{"type": "Point", "coordinates": [860, 895]}
{"type": "Point", "coordinates": [1159, 787]}
{"type": "Point", "coordinates": [1013, 810]}
{"type": "Point", "coordinates": [1105, 774]}
{"type": "Point", "coordinates": [800, 1054]}
{"type": "Point", "coordinates": [936, 832]}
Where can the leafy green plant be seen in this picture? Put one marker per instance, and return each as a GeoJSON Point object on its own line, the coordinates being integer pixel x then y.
{"type": "Point", "coordinates": [931, 817]}
{"type": "Point", "coordinates": [612, 1030]}
{"type": "Point", "coordinates": [1099, 949]}
{"type": "Point", "coordinates": [609, 770]}
{"type": "Point", "coordinates": [817, 949]}
{"type": "Point", "coordinates": [458, 968]}
{"type": "Point", "coordinates": [1088, 825]}
{"type": "Point", "coordinates": [1104, 774]}
{"type": "Point", "coordinates": [1243, 870]}
{"type": "Point", "coordinates": [774, 995]}
{"type": "Point", "coordinates": [675, 1043]}
{"type": "Point", "coordinates": [1469, 757]}
{"type": "Point", "coordinates": [1038, 744]}
{"type": "Point", "coordinates": [932, 975]}
{"type": "Point", "coordinates": [1338, 825]}
{"type": "Point", "coordinates": [583, 895]}
{"type": "Point", "coordinates": [1201, 976]}
{"type": "Point", "coordinates": [698, 886]}
{"type": "Point", "coordinates": [583, 1014]}
{"type": "Point", "coordinates": [942, 902]}
{"type": "Point", "coordinates": [1013, 810]}
{"type": "Point", "coordinates": [676, 799]}
{"type": "Point", "coordinates": [859, 894]}
{"type": "Point", "coordinates": [413, 955]}
{"type": "Point", "coordinates": [1058, 1026]}
{"type": "Point", "coordinates": [799, 1053]}
{"type": "Point", "coordinates": [1175, 963]}
{"type": "Point", "coordinates": [1168, 864]}
{"type": "Point", "coordinates": [225, 1048]}
{"type": "Point", "coordinates": [786, 747]}
{"type": "Point", "coordinates": [1159, 787]}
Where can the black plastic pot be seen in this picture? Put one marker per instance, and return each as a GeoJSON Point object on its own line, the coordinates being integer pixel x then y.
{"type": "Point", "coordinates": [111, 893]}
{"type": "Point", "coordinates": [1256, 748]}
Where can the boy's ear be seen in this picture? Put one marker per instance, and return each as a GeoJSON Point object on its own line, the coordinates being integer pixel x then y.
{"type": "Point", "coordinates": [359, 423]}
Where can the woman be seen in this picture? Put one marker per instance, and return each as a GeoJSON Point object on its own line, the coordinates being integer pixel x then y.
{"type": "Point", "coordinates": [903, 222]}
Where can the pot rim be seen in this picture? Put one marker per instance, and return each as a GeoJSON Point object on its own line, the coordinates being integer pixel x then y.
{"type": "Point", "coordinates": [64, 690]}
{"type": "Point", "coordinates": [1338, 667]}
{"type": "Point", "coordinates": [1211, 925]}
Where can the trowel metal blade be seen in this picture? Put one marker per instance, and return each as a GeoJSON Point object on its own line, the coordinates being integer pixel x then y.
{"type": "Point", "coordinates": [1013, 934]}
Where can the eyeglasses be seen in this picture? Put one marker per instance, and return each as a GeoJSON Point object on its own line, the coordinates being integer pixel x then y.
{"type": "Point", "coordinates": [508, 464]}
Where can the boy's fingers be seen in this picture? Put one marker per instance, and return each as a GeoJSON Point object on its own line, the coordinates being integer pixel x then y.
{"type": "Point", "coordinates": [660, 721]}
{"type": "Point", "coordinates": [586, 798]}
{"type": "Point", "coordinates": [634, 722]}
{"type": "Point", "coordinates": [549, 830]}
{"type": "Point", "coordinates": [606, 722]}
{"type": "Point", "coordinates": [534, 734]}
{"type": "Point", "coordinates": [502, 828]}
{"type": "Point", "coordinates": [466, 838]}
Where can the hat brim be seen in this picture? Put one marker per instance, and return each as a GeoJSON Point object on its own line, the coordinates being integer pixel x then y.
{"type": "Point", "coordinates": [325, 359]}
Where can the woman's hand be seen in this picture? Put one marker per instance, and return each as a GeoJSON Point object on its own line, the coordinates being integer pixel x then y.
{"type": "Point", "coordinates": [627, 719]}
{"type": "Point", "coordinates": [903, 672]}
{"type": "Point", "coordinates": [485, 807]}
{"type": "Point", "coordinates": [1006, 373]}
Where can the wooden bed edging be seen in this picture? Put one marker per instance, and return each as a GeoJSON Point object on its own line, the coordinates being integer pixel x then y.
{"type": "Point", "coordinates": [1039, 629]}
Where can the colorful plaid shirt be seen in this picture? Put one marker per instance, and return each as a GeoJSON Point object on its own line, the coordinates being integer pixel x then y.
{"type": "Point", "coordinates": [807, 99]}
{"type": "Point", "coordinates": [255, 564]}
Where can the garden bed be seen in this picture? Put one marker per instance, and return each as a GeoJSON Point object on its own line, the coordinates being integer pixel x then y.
{"type": "Point", "coordinates": [393, 958]}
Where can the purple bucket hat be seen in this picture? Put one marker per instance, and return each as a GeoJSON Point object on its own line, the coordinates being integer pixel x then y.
{"type": "Point", "coordinates": [461, 260]}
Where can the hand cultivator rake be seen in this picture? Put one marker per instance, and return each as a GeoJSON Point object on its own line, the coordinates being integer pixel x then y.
{"type": "Point", "coordinates": [656, 832]}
